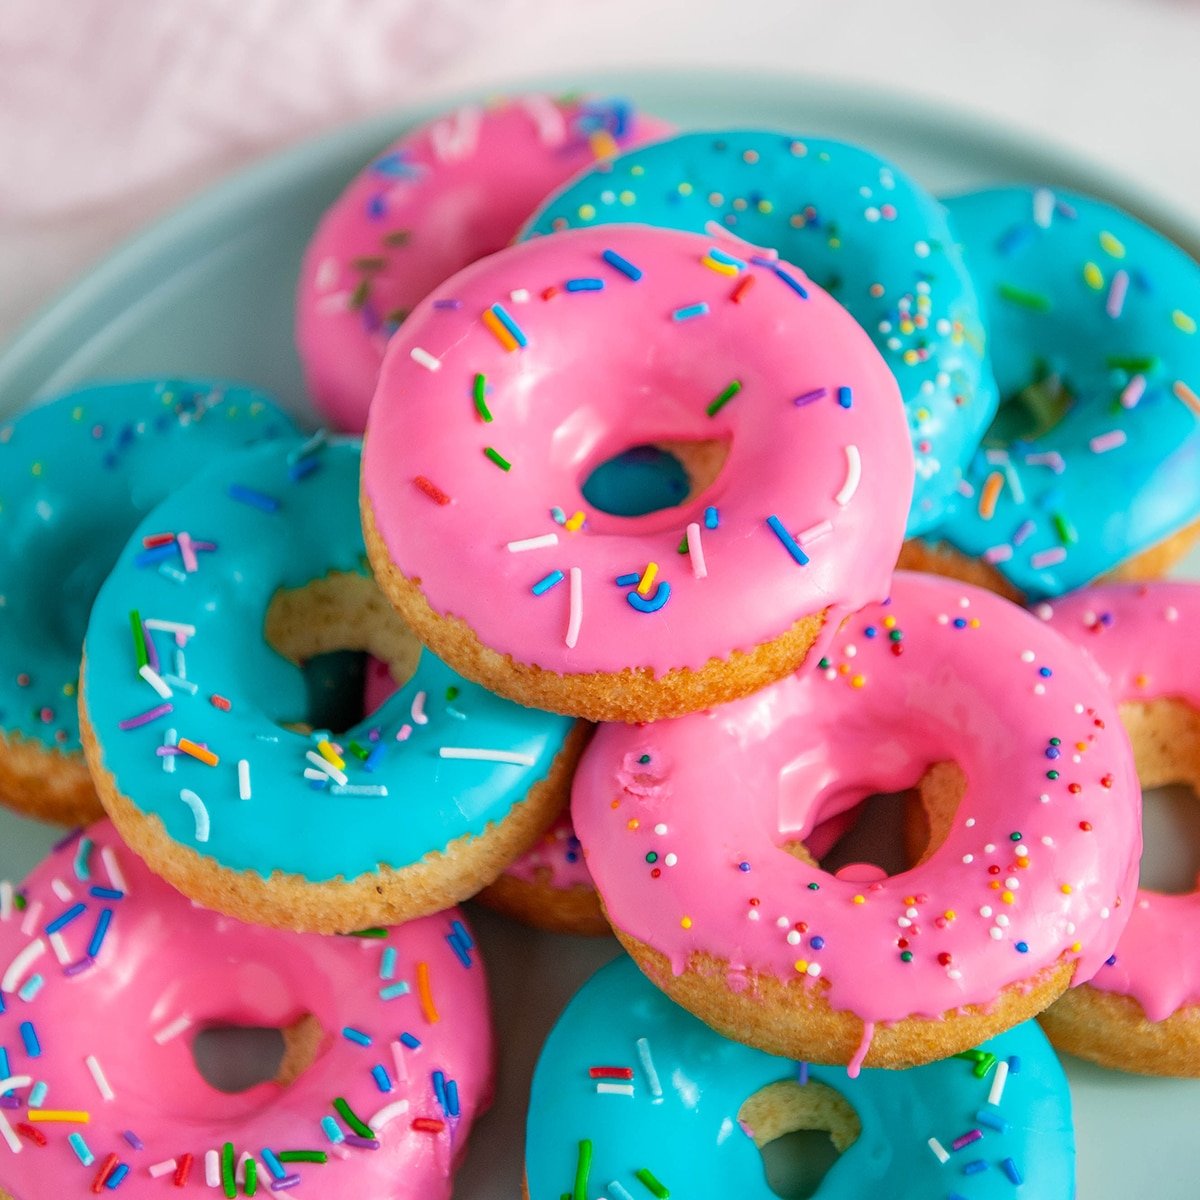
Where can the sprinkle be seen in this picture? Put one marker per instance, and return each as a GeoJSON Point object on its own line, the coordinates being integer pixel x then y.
{"type": "Point", "coordinates": [351, 1118]}
{"type": "Point", "coordinates": [272, 1160]}
{"type": "Point", "coordinates": [250, 1177]}
{"type": "Point", "coordinates": [511, 757]}
{"type": "Point", "coordinates": [356, 1035]}
{"type": "Point", "coordinates": [643, 1049]}
{"type": "Point", "coordinates": [696, 551]}
{"type": "Point", "coordinates": [199, 813]}
{"type": "Point", "coordinates": [303, 1156]}
{"type": "Point", "coordinates": [688, 311]}
{"type": "Point", "coordinates": [575, 616]}
{"type": "Point", "coordinates": [646, 581]}
{"type": "Point", "coordinates": [155, 680]}
{"type": "Point", "coordinates": [220, 702]}
{"type": "Point", "coordinates": [646, 1177]}
{"type": "Point", "coordinates": [159, 1169]}
{"type": "Point", "coordinates": [65, 918]}
{"type": "Point", "coordinates": [431, 490]}
{"type": "Point", "coordinates": [173, 1030]}
{"type": "Point", "coordinates": [940, 1152]}
{"type": "Point", "coordinates": [1051, 459]}
{"type": "Point", "coordinates": [789, 542]}
{"type": "Point", "coordinates": [334, 1133]}
{"type": "Point", "coordinates": [786, 276]}
{"type": "Point", "coordinates": [998, 554]}
{"type": "Point", "coordinates": [228, 1183]}
{"type": "Point", "coordinates": [139, 639]}
{"type": "Point", "coordinates": [427, 1125]}
{"type": "Point", "coordinates": [614, 1089]}
{"type": "Point", "coordinates": [411, 1042]}
{"type": "Point", "coordinates": [623, 265]}
{"type": "Point", "coordinates": [37, 1094]}
{"type": "Point", "coordinates": [183, 1170]}
{"type": "Point", "coordinates": [358, 789]}
{"type": "Point", "coordinates": [255, 499]}
{"type": "Point", "coordinates": [479, 391]}
{"type": "Point", "coordinates": [499, 321]}
{"type": "Point", "coordinates": [100, 932]}
{"type": "Point", "coordinates": [34, 984]}
{"type": "Point", "coordinates": [82, 1152]}
{"type": "Point", "coordinates": [112, 865]}
{"type": "Point", "coordinates": [19, 965]}
{"type": "Point", "coordinates": [534, 543]}
{"type": "Point", "coordinates": [327, 768]}
{"type": "Point", "coordinates": [423, 358]}
{"type": "Point", "coordinates": [744, 285]}
{"type": "Point", "coordinates": [58, 1116]}
{"type": "Point", "coordinates": [972, 1135]}
{"type": "Point", "coordinates": [584, 285]}
{"type": "Point", "coordinates": [1183, 322]}
{"type": "Point", "coordinates": [1013, 1172]}
{"type": "Point", "coordinates": [574, 522]}
{"type": "Point", "coordinates": [110, 1165]}
{"type": "Point", "coordinates": [1115, 303]}
{"type": "Point", "coordinates": [714, 264]}
{"type": "Point", "coordinates": [992, 1120]}
{"type": "Point", "coordinates": [1043, 207]}
{"type": "Point", "coordinates": [330, 755]}
{"type": "Point", "coordinates": [711, 518]}
{"type": "Point", "coordinates": [6, 1131]}
{"type": "Point", "coordinates": [583, 1167]}
{"type": "Point", "coordinates": [544, 584]}
{"type": "Point", "coordinates": [425, 993]}
{"type": "Point", "coordinates": [200, 753]}
{"type": "Point", "coordinates": [724, 397]}
{"type": "Point", "coordinates": [998, 1081]}
{"type": "Point", "coordinates": [1047, 558]}
{"type": "Point", "coordinates": [187, 552]}
{"type": "Point", "coordinates": [33, 1046]}
{"type": "Point", "coordinates": [845, 397]}
{"type": "Point", "coordinates": [1031, 300]}
{"type": "Point", "coordinates": [387, 1114]}
{"type": "Point", "coordinates": [1107, 441]}
{"type": "Point", "coordinates": [243, 769]}
{"type": "Point", "coordinates": [393, 991]}
{"type": "Point", "coordinates": [1185, 393]}
{"type": "Point", "coordinates": [1133, 391]}
{"type": "Point", "coordinates": [98, 1077]}
{"type": "Point", "coordinates": [498, 458]}
{"type": "Point", "coordinates": [990, 494]}
{"type": "Point", "coordinates": [853, 476]}
{"type": "Point", "coordinates": [973, 1168]}
{"type": "Point", "coordinates": [1093, 276]}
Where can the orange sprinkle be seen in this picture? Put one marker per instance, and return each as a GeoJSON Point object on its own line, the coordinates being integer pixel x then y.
{"type": "Point", "coordinates": [990, 494]}
{"type": "Point", "coordinates": [431, 490]}
{"type": "Point", "coordinates": [428, 1008]}
{"type": "Point", "coordinates": [1185, 393]}
{"type": "Point", "coordinates": [603, 144]}
{"type": "Point", "coordinates": [496, 328]}
{"type": "Point", "coordinates": [207, 757]}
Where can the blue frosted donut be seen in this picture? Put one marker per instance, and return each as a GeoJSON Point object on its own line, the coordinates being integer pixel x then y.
{"type": "Point", "coordinates": [1095, 455]}
{"type": "Point", "coordinates": [204, 759]}
{"type": "Point", "coordinates": [859, 227]}
{"type": "Point", "coordinates": [634, 1097]}
{"type": "Point", "coordinates": [76, 476]}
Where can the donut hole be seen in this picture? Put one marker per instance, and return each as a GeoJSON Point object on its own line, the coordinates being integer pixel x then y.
{"type": "Point", "coordinates": [337, 630]}
{"type": "Point", "coordinates": [649, 478]}
{"type": "Point", "coordinates": [1030, 412]}
{"type": "Point", "coordinates": [1165, 735]}
{"type": "Point", "coordinates": [800, 1131]}
{"type": "Point", "coordinates": [236, 1058]}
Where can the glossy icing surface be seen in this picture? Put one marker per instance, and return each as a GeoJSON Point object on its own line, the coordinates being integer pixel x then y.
{"type": "Point", "coordinates": [864, 231]}
{"type": "Point", "coordinates": [76, 476]}
{"type": "Point", "coordinates": [1039, 863]}
{"type": "Point", "coordinates": [1093, 337]}
{"type": "Point", "coordinates": [439, 198]}
{"type": "Point", "coordinates": [638, 348]}
{"type": "Point", "coordinates": [417, 797]}
{"type": "Point", "coordinates": [690, 1138]}
{"type": "Point", "coordinates": [1143, 638]}
{"type": "Point", "coordinates": [163, 971]}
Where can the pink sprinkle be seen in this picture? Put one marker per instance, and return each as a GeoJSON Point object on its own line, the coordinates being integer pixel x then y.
{"type": "Point", "coordinates": [404, 732]}
{"type": "Point", "coordinates": [696, 551]}
{"type": "Point", "coordinates": [151, 714]}
{"type": "Point", "coordinates": [972, 1135]}
{"type": "Point", "coordinates": [1133, 392]}
{"type": "Point", "coordinates": [998, 554]}
{"type": "Point", "coordinates": [1116, 294]}
{"type": "Point", "coordinates": [1107, 441]}
{"type": "Point", "coordinates": [1051, 459]}
{"type": "Point", "coordinates": [1047, 558]}
{"type": "Point", "coordinates": [575, 616]}
{"type": "Point", "coordinates": [188, 552]}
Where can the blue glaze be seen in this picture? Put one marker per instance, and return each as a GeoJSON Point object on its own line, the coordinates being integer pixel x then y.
{"type": "Point", "coordinates": [1124, 499]}
{"type": "Point", "coordinates": [291, 823]}
{"type": "Point", "coordinates": [690, 1139]}
{"type": "Point", "coordinates": [859, 227]}
{"type": "Point", "coordinates": [76, 476]}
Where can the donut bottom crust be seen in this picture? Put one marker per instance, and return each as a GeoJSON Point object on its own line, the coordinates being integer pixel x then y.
{"type": "Point", "coordinates": [537, 903]}
{"type": "Point", "coordinates": [46, 784]}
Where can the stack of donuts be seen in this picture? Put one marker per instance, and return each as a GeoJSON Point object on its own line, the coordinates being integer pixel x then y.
{"type": "Point", "coordinates": [585, 600]}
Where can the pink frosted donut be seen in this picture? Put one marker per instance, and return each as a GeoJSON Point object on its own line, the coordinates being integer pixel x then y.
{"type": "Point", "coordinates": [441, 197]}
{"type": "Point", "coordinates": [107, 975]}
{"type": "Point", "coordinates": [517, 378]}
{"type": "Point", "coordinates": [1028, 786]}
{"type": "Point", "coordinates": [1141, 1011]}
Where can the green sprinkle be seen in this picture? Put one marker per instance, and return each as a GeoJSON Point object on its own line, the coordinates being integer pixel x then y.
{"type": "Point", "coordinates": [984, 1065]}
{"type": "Point", "coordinates": [498, 458]}
{"type": "Point", "coordinates": [906, 956]}
{"type": "Point", "coordinates": [682, 548]}
{"type": "Point", "coordinates": [644, 758]}
{"type": "Point", "coordinates": [251, 1184]}
{"type": "Point", "coordinates": [228, 1182]}
{"type": "Point", "coordinates": [358, 297]}
{"type": "Point", "coordinates": [1016, 295]}
{"type": "Point", "coordinates": [646, 1176]}
{"type": "Point", "coordinates": [374, 932]}
{"type": "Point", "coordinates": [583, 1168]}
{"type": "Point", "coordinates": [1056, 741]}
{"type": "Point", "coordinates": [20, 903]}
{"type": "Point", "coordinates": [139, 638]}
{"type": "Point", "coordinates": [353, 1119]}
{"type": "Point", "coordinates": [397, 316]}
{"type": "Point", "coordinates": [1066, 531]}
{"type": "Point", "coordinates": [311, 1156]}
{"type": "Point", "coordinates": [1051, 774]}
{"type": "Point", "coordinates": [824, 664]}
{"type": "Point", "coordinates": [973, 1055]}
{"type": "Point", "coordinates": [1133, 364]}
{"type": "Point", "coordinates": [371, 263]}
{"type": "Point", "coordinates": [1014, 837]}
{"type": "Point", "coordinates": [451, 694]}
{"type": "Point", "coordinates": [724, 398]}
{"type": "Point", "coordinates": [896, 635]}
{"type": "Point", "coordinates": [481, 406]}
{"type": "Point", "coordinates": [398, 237]}
{"type": "Point", "coordinates": [652, 856]}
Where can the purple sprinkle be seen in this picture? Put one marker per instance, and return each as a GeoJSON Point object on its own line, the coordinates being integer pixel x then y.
{"type": "Point", "coordinates": [133, 1139]}
{"type": "Point", "coordinates": [809, 397]}
{"type": "Point", "coordinates": [67, 840]}
{"type": "Point", "coordinates": [77, 968]}
{"type": "Point", "coordinates": [352, 1139]}
{"type": "Point", "coordinates": [1023, 531]}
{"type": "Point", "coordinates": [151, 714]}
{"type": "Point", "coordinates": [8, 1101]}
{"type": "Point", "coordinates": [450, 304]}
{"type": "Point", "coordinates": [972, 1135]}
{"type": "Point", "coordinates": [288, 1181]}
{"type": "Point", "coordinates": [151, 649]}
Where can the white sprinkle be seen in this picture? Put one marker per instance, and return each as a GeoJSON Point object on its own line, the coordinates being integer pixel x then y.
{"type": "Point", "coordinates": [9, 1134]}
{"type": "Point", "coordinates": [166, 1167]}
{"type": "Point", "coordinates": [1047, 558]}
{"type": "Point", "coordinates": [551, 128]}
{"type": "Point", "coordinates": [696, 551]}
{"type": "Point", "coordinates": [212, 1168]}
{"type": "Point", "coordinates": [1051, 459]}
{"type": "Point", "coordinates": [327, 273]}
{"type": "Point", "coordinates": [424, 359]}
{"type": "Point", "coordinates": [998, 1082]}
{"type": "Point", "coordinates": [1115, 303]}
{"type": "Point", "coordinates": [155, 680]}
{"type": "Point", "coordinates": [533, 543]}
{"type": "Point", "coordinates": [814, 532]}
{"type": "Point", "coordinates": [1043, 207]}
{"type": "Point", "coordinates": [108, 856]}
{"type": "Point", "coordinates": [61, 890]}
{"type": "Point", "coordinates": [59, 945]}
{"type": "Point", "coordinates": [97, 1074]}
{"type": "Point", "coordinates": [6, 899]}
{"type": "Point", "coordinates": [1134, 390]}
{"type": "Point", "coordinates": [615, 1089]}
{"type": "Point", "coordinates": [853, 476]}
{"type": "Point", "coordinates": [1107, 441]}
{"type": "Point", "coordinates": [359, 789]}
{"type": "Point", "coordinates": [325, 767]}
{"type": "Point", "coordinates": [456, 136]}
{"type": "Point", "coordinates": [387, 1114]}
{"type": "Point", "coordinates": [170, 739]}
{"type": "Point", "coordinates": [643, 1049]}
{"type": "Point", "coordinates": [575, 618]}
{"type": "Point", "coordinates": [519, 295]}
{"type": "Point", "coordinates": [199, 812]}
{"type": "Point", "coordinates": [244, 791]}
{"type": "Point", "coordinates": [940, 1151]}
{"type": "Point", "coordinates": [180, 663]}
{"type": "Point", "coordinates": [515, 758]}
{"type": "Point", "coordinates": [21, 964]}
{"type": "Point", "coordinates": [169, 1032]}
{"type": "Point", "coordinates": [417, 712]}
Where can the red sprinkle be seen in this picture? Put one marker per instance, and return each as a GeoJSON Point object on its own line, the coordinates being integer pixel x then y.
{"type": "Point", "coordinates": [34, 1135]}
{"type": "Point", "coordinates": [183, 1169]}
{"type": "Point", "coordinates": [1086, 826]}
{"type": "Point", "coordinates": [432, 490]}
{"type": "Point", "coordinates": [611, 1072]}
{"type": "Point", "coordinates": [110, 1165]}
{"type": "Point", "coordinates": [744, 285]}
{"type": "Point", "coordinates": [550, 292]}
{"type": "Point", "coordinates": [428, 1125]}
{"type": "Point", "coordinates": [158, 539]}
{"type": "Point", "coordinates": [220, 702]}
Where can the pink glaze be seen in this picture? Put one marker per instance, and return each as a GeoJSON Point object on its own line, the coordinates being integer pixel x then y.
{"type": "Point", "coordinates": [683, 822]}
{"type": "Point", "coordinates": [1143, 637]}
{"type": "Point", "coordinates": [606, 370]}
{"type": "Point", "coordinates": [556, 860]}
{"type": "Point", "coordinates": [168, 969]}
{"type": "Point", "coordinates": [438, 199]}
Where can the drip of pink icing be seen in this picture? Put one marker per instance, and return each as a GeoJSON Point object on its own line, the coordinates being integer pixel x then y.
{"type": "Point", "coordinates": [1143, 637]}
{"type": "Point", "coordinates": [610, 368]}
{"type": "Point", "coordinates": [445, 195]}
{"type": "Point", "coordinates": [684, 821]}
{"type": "Point", "coordinates": [854, 1066]}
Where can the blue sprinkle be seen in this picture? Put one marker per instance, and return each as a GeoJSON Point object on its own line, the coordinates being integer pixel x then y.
{"type": "Point", "coordinates": [689, 311]}
{"type": "Point", "coordinates": [460, 951]}
{"type": "Point", "coordinates": [518, 334]}
{"type": "Point", "coordinates": [114, 1180]}
{"type": "Point", "coordinates": [82, 1152]}
{"type": "Point", "coordinates": [133, 1139]}
{"type": "Point", "coordinates": [649, 604]}
{"type": "Point", "coordinates": [544, 584]}
{"type": "Point", "coordinates": [802, 1073]}
{"type": "Point", "coordinates": [1012, 1171]}
{"type": "Point", "coordinates": [332, 1130]}
{"type": "Point", "coordinates": [871, 631]}
{"type": "Point", "coordinates": [792, 282]}
{"type": "Point", "coordinates": [395, 166]}
{"type": "Point", "coordinates": [382, 1079]}
{"type": "Point", "coordinates": [817, 943]}
{"type": "Point", "coordinates": [975, 1166]}
{"type": "Point", "coordinates": [1022, 947]}
{"type": "Point", "coordinates": [33, 1047]}
{"type": "Point", "coordinates": [387, 963]}
{"type": "Point", "coordinates": [147, 558]}
{"type": "Point", "coordinates": [743, 866]}
{"type": "Point", "coordinates": [356, 1035]}
{"type": "Point", "coordinates": [1014, 1064]}
{"type": "Point", "coordinates": [623, 265]}
{"type": "Point", "coordinates": [393, 990]}
{"type": "Point", "coordinates": [711, 518]}
{"type": "Point", "coordinates": [372, 761]}
{"type": "Point", "coordinates": [100, 932]}
{"type": "Point", "coordinates": [106, 893]}
{"type": "Point", "coordinates": [37, 1093]}
{"type": "Point", "coordinates": [1045, 672]}
{"type": "Point", "coordinates": [789, 542]}
{"type": "Point", "coordinates": [1015, 239]}
{"type": "Point", "coordinates": [1111, 961]}
{"type": "Point", "coordinates": [992, 1119]}
{"type": "Point", "coordinates": [1053, 752]}
{"type": "Point", "coordinates": [5, 1068]}
{"type": "Point", "coordinates": [413, 1043]}
{"type": "Point", "coordinates": [628, 579]}
{"type": "Point", "coordinates": [273, 1164]}
{"type": "Point", "coordinates": [719, 255]}
{"type": "Point", "coordinates": [461, 932]}
{"type": "Point", "coordinates": [584, 285]}
{"type": "Point", "coordinates": [960, 622]}
{"type": "Point", "coordinates": [452, 1097]}
{"type": "Point", "coordinates": [618, 1192]}
{"type": "Point", "coordinates": [845, 397]}
{"type": "Point", "coordinates": [439, 1089]}
{"type": "Point", "coordinates": [259, 500]}
{"type": "Point", "coordinates": [303, 468]}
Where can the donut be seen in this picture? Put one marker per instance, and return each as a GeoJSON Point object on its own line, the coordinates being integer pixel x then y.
{"type": "Point", "coordinates": [442, 196]}
{"type": "Point", "coordinates": [76, 475]}
{"type": "Point", "coordinates": [1141, 1011]}
{"type": "Point", "coordinates": [868, 234]}
{"type": "Point", "coordinates": [216, 777]}
{"type": "Point", "coordinates": [485, 429]}
{"type": "Point", "coordinates": [694, 832]}
{"type": "Point", "coordinates": [630, 1092]}
{"type": "Point", "coordinates": [1092, 469]}
{"type": "Point", "coordinates": [109, 976]}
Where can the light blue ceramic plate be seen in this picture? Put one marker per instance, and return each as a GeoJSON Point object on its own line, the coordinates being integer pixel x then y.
{"type": "Point", "coordinates": [209, 291]}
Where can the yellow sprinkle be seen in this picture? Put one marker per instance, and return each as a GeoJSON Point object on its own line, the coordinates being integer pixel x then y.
{"type": "Point", "coordinates": [496, 328]}
{"type": "Point", "coordinates": [1066, 889]}
{"type": "Point", "coordinates": [68, 689]}
{"type": "Point", "coordinates": [1007, 897]}
{"type": "Point", "coordinates": [1093, 276]}
{"type": "Point", "coordinates": [765, 206]}
{"type": "Point", "coordinates": [686, 922]}
{"type": "Point", "coordinates": [1076, 947]}
{"type": "Point", "coordinates": [633, 823]}
{"type": "Point", "coordinates": [428, 1008]}
{"type": "Point", "coordinates": [922, 415]}
{"type": "Point", "coordinates": [575, 522]}
{"type": "Point", "coordinates": [587, 212]}
{"type": "Point", "coordinates": [801, 965]}
{"type": "Point", "coordinates": [77, 413]}
{"type": "Point", "coordinates": [36, 468]}
{"type": "Point", "coordinates": [721, 267]}
{"type": "Point", "coordinates": [1183, 321]}
{"type": "Point", "coordinates": [647, 580]}
{"type": "Point", "coordinates": [685, 189]}
{"type": "Point", "coordinates": [1111, 245]}
{"type": "Point", "coordinates": [990, 494]}
{"type": "Point", "coordinates": [974, 622]}
{"type": "Point", "coordinates": [59, 1114]}
{"type": "Point", "coordinates": [329, 754]}
{"type": "Point", "coordinates": [627, 197]}
{"type": "Point", "coordinates": [950, 915]}
{"type": "Point", "coordinates": [603, 144]}
{"type": "Point", "coordinates": [889, 622]}
{"type": "Point", "coordinates": [911, 358]}
{"type": "Point", "coordinates": [835, 243]}
{"type": "Point", "coordinates": [1185, 393]}
{"type": "Point", "coordinates": [858, 681]}
{"type": "Point", "coordinates": [637, 170]}
{"type": "Point", "coordinates": [860, 899]}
